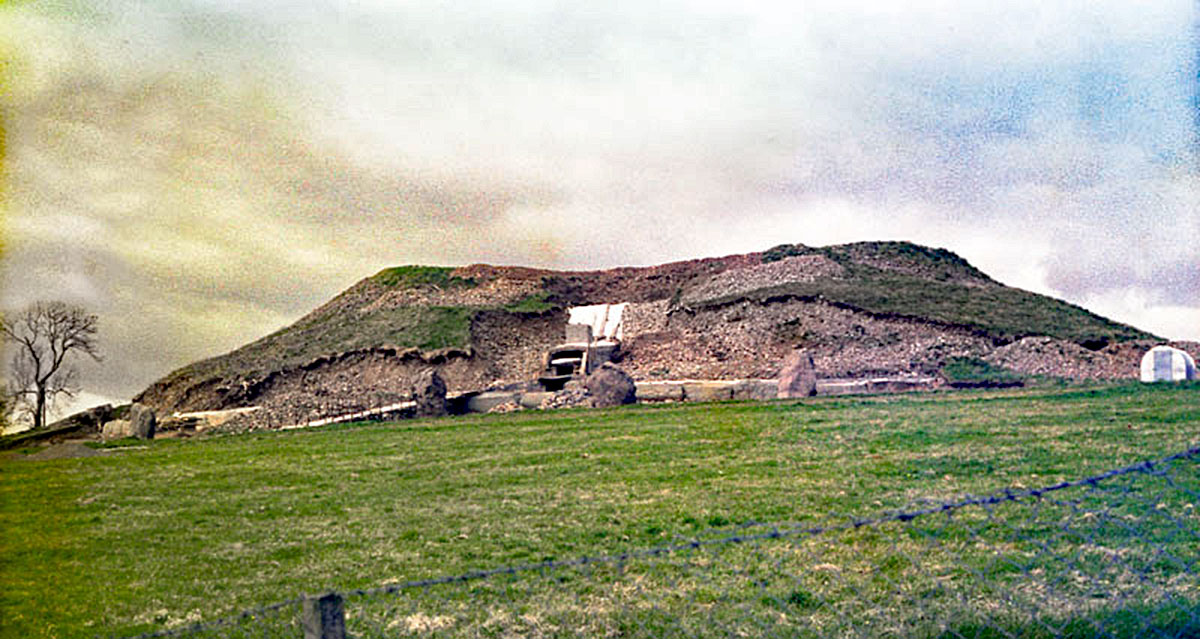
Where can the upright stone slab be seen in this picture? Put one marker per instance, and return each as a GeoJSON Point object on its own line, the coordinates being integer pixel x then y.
{"type": "Point", "coordinates": [798, 377]}
{"type": "Point", "coordinates": [610, 386]}
{"type": "Point", "coordinates": [579, 334]}
{"type": "Point", "coordinates": [142, 422]}
{"type": "Point", "coordinates": [429, 392]}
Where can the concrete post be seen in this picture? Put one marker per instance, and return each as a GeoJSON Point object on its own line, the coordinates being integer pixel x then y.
{"type": "Point", "coordinates": [323, 617]}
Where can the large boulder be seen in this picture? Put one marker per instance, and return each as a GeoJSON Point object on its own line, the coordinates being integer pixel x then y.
{"type": "Point", "coordinates": [610, 386]}
{"type": "Point", "coordinates": [798, 377]}
{"type": "Point", "coordinates": [142, 422]}
{"type": "Point", "coordinates": [429, 392]}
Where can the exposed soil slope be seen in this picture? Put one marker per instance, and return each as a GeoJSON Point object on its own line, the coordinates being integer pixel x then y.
{"type": "Point", "coordinates": [862, 309]}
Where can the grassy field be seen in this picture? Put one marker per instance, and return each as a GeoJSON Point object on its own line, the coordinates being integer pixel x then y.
{"type": "Point", "coordinates": [182, 530]}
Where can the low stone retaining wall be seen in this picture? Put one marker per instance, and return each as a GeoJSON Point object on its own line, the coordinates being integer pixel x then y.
{"type": "Point", "coordinates": [695, 390]}
{"type": "Point", "coordinates": [876, 385]}
{"type": "Point", "coordinates": [706, 390]}
{"type": "Point", "coordinates": [200, 421]}
{"type": "Point", "coordinates": [686, 390]}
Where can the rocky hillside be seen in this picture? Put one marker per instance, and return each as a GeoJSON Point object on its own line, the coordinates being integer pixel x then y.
{"type": "Point", "coordinates": [861, 309]}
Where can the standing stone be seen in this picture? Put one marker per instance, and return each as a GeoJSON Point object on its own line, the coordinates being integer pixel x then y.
{"type": "Point", "coordinates": [142, 422]}
{"type": "Point", "coordinates": [429, 392]}
{"type": "Point", "coordinates": [610, 386]}
{"type": "Point", "coordinates": [798, 378]}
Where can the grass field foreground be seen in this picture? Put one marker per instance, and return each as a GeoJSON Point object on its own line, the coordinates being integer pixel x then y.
{"type": "Point", "coordinates": [182, 530]}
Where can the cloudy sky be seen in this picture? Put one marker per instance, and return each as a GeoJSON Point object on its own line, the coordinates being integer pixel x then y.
{"type": "Point", "coordinates": [202, 172]}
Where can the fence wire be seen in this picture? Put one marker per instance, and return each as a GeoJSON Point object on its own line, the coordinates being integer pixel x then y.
{"type": "Point", "coordinates": [1113, 555]}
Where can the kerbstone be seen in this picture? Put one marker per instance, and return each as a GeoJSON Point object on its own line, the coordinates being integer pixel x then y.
{"type": "Point", "coordinates": [798, 377]}
{"type": "Point", "coordinates": [610, 386]}
{"type": "Point", "coordinates": [116, 429]}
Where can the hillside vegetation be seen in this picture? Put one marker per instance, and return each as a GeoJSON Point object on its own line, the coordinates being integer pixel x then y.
{"type": "Point", "coordinates": [173, 531]}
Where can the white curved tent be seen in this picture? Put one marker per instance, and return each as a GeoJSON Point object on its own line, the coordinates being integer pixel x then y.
{"type": "Point", "coordinates": [1167, 364]}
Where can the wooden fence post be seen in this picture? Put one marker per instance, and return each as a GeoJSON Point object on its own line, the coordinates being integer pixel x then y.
{"type": "Point", "coordinates": [323, 617]}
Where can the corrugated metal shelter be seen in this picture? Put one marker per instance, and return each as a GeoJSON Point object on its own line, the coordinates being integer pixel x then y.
{"type": "Point", "coordinates": [1167, 364]}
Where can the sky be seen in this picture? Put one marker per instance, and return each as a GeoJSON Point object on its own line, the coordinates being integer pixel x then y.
{"type": "Point", "coordinates": [199, 173]}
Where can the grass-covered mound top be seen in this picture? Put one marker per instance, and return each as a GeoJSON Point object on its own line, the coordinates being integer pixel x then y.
{"type": "Point", "coordinates": [936, 264]}
{"type": "Point", "coordinates": [421, 276]}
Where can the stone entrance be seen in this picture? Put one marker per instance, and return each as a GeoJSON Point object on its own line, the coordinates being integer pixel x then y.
{"type": "Point", "coordinates": [592, 337]}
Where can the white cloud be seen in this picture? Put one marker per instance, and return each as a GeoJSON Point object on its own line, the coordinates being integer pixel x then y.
{"type": "Point", "coordinates": [1132, 306]}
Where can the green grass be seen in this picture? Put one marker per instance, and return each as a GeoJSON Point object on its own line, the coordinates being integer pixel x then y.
{"type": "Point", "coordinates": [188, 529]}
{"type": "Point", "coordinates": [124, 442]}
{"type": "Point", "coordinates": [972, 371]}
{"type": "Point", "coordinates": [536, 303]}
{"type": "Point", "coordinates": [421, 276]}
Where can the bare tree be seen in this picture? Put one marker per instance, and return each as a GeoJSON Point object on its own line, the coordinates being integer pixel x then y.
{"type": "Point", "coordinates": [46, 336]}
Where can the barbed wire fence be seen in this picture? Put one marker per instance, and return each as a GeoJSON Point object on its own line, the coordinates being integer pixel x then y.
{"type": "Point", "coordinates": [1112, 555]}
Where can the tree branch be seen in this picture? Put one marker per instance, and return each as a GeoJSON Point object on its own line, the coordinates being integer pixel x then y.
{"type": "Point", "coordinates": [46, 334]}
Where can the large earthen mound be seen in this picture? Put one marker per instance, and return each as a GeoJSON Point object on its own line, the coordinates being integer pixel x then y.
{"type": "Point", "coordinates": [860, 310]}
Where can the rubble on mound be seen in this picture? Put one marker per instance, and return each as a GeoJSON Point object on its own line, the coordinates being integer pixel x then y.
{"type": "Point", "coordinates": [1049, 357]}
{"type": "Point", "coordinates": [506, 407]}
{"type": "Point", "coordinates": [1059, 358]}
{"type": "Point", "coordinates": [800, 268]}
{"type": "Point", "coordinates": [566, 398]}
{"type": "Point", "coordinates": [751, 340]}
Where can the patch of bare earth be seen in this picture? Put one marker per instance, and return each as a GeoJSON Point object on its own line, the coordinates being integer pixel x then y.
{"type": "Point", "coordinates": [65, 450]}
